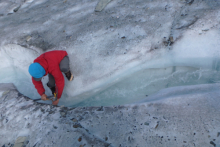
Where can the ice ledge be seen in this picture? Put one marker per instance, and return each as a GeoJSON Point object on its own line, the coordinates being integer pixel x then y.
{"type": "Point", "coordinates": [179, 120]}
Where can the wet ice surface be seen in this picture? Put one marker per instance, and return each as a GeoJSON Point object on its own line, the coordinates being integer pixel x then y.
{"type": "Point", "coordinates": [187, 119]}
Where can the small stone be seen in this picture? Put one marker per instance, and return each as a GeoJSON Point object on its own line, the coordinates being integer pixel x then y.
{"type": "Point", "coordinates": [146, 123]}
{"type": "Point", "coordinates": [100, 109]}
{"type": "Point", "coordinates": [101, 5]}
{"type": "Point", "coordinates": [106, 138]}
{"type": "Point", "coordinates": [17, 8]}
{"type": "Point", "coordinates": [157, 125]}
{"type": "Point", "coordinates": [20, 139]}
{"type": "Point", "coordinates": [77, 126]}
{"type": "Point", "coordinates": [123, 37]}
{"type": "Point", "coordinates": [212, 143]}
{"type": "Point", "coordinates": [18, 145]}
{"type": "Point", "coordinates": [55, 127]}
{"type": "Point", "coordinates": [205, 30]}
{"type": "Point", "coordinates": [80, 139]}
{"type": "Point", "coordinates": [189, 1]}
{"type": "Point", "coordinates": [218, 134]}
{"type": "Point", "coordinates": [171, 39]}
{"type": "Point", "coordinates": [63, 114]}
{"type": "Point", "coordinates": [74, 120]}
{"type": "Point", "coordinates": [28, 38]}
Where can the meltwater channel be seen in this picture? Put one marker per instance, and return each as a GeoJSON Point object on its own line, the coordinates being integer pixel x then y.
{"type": "Point", "coordinates": [146, 82]}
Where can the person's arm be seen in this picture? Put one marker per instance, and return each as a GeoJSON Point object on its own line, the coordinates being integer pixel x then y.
{"type": "Point", "coordinates": [39, 86]}
{"type": "Point", "coordinates": [60, 82]}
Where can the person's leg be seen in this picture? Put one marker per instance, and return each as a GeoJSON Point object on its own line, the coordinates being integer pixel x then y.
{"type": "Point", "coordinates": [51, 83]}
{"type": "Point", "coordinates": [64, 64]}
{"type": "Point", "coordinates": [64, 67]}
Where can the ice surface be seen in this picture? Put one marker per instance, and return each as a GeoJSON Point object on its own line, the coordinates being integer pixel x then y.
{"type": "Point", "coordinates": [185, 115]}
{"type": "Point", "coordinates": [117, 56]}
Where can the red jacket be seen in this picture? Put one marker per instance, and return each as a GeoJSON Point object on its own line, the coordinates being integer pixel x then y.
{"type": "Point", "coordinates": [50, 62]}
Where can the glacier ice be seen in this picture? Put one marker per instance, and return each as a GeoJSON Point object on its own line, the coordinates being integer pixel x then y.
{"type": "Point", "coordinates": [117, 56]}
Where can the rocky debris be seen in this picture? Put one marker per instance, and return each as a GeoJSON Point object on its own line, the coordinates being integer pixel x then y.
{"type": "Point", "coordinates": [37, 40]}
{"type": "Point", "coordinates": [169, 41]}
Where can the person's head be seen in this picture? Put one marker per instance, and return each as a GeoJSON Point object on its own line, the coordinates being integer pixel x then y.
{"type": "Point", "coordinates": [36, 71]}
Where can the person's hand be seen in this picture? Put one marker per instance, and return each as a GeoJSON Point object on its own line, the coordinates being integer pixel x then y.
{"type": "Point", "coordinates": [44, 97]}
{"type": "Point", "coordinates": [56, 102]}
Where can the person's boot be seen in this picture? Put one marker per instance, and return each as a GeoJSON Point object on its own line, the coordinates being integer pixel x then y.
{"type": "Point", "coordinates": [69, 75]}
{"type": "Point", "coordinates": [53, 89]}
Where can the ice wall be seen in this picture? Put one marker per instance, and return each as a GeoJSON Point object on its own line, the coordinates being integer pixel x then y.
{"type": "Point", "coordinates": [129, 50]}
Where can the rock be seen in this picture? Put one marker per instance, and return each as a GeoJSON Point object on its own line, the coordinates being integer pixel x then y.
{"type": "Point", "coordinates": [80, 139]}
{"type": "Point", "coordinates": [55, 127]}
{"type": "Point", "coordinates": [157, 125]}
{"type": "Point", "coordinates": [189, 1]}
{"type": "Point", "coordinates": [17, 8]}
{"type": "Point", "coordinates": [74, 120]}
{"type": "Point", "coordinates": [101, 5]}
{"type": "Point", "coordinates": [205, 30]}
{"type": "Point", "coordinates": [77, 126]}
{"type": "Point", "coordinates": [28, 38]}
{"type": "Point", "coordinates": [212, 143]}
{"type": "Point", "coordinates": [62, 114]}
{"type": "Point", "coordinates": [100, 109]}
{"type": "Point", "coordinates": [146, 123]}
{"type": "Point", "coordinates": [20, 141]}
{"type": "Point", "coordinates": [218, 134]}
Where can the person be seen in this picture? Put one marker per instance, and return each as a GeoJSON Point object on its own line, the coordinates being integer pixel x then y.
{"type": "Point", "coordinates": [51, 63]}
